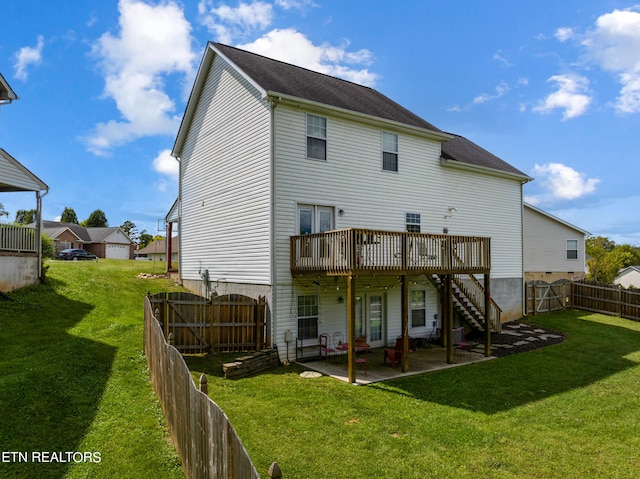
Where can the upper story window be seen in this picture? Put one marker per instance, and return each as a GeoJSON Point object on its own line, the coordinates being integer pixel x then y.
{"type": "Point", "coordinates": [316, 137]}
{"type": "Point", "coordinates": [389, 151]}
{"type": "Point", "coordinates": [572, 249]}
{"type": "Point", "coordinates": [412, 222]}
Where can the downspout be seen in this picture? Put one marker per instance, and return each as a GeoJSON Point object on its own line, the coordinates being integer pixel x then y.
{"type": "Point", "coordinates": [273, 102]}
{"type": "Point", "coordinates": [179, 160]}
{"type": "Point", "coordinates": [523, 284]}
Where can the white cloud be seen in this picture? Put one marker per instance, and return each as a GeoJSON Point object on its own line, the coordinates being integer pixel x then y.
{"type": "Point", "coordinates": [572, 96]}
{"type": "Point", "coordinates": [291, 46]}
{"type": "Point", "coordinates": [500, 90]}
{"type": "Point", "coordinates": [299, 4]}
{"type": "Point", "coordinates": [166, 164]}
{"type": "Point", "coordinates": [228, 23]}
{"type": "Point", "coordinates": [614, 44]}
{"type": "Point", "coordinates": [562, 183]}
{"type": "Point", "coordinates": [28, 56]}
{"type": "Point", "coordinates": [153, 41]}
{"type": "Point", "coordinates": [564, 33]}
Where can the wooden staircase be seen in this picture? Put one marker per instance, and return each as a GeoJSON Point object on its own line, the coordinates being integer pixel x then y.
{"type": "Point", "coordinates": [468, 299]}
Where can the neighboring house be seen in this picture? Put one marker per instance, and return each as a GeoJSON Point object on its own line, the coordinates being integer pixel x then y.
{"type": "Point", "coordinates": [20, 246]}
{"type": "Point", "coordinates": [157, 250]}
{"type": "Point", "coordinates": [553, 248]}
{"type": "Point", "coordinates": [108, 242]}
{"type": "Point", "coordinates": [628, 277]}
{"type": "Point", "coordinates": [347, 211]}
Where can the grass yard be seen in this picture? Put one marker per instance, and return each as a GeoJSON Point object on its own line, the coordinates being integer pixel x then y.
{"type": "Point", "coordinates": [566, 411]}
{"type": "Point", "coordinates": [73, 377]}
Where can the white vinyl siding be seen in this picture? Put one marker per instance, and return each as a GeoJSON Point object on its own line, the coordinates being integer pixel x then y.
{"type": "Point", "coordinates": [485, 205]}
{"type": "Point", "coordinates": [16, 175]}
{"type": "Point", "coordinates": [225, 223]}
{"type": "Point", "coordinates": [546, 245]}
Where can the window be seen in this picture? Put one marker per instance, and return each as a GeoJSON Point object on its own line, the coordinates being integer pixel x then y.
{"type": "Point", "coordinates": [412, 222]}
{"type": "Point", "coordinates": [308, 317]}
{"type": "Point", "coordinates": [314, 219]}
{"type": "Point", "coordinates": [418, 308]}
{"type": "Point", "coordinates": [389, 151]}
{"type": "Point", "coordinates": [316, 137]}
{"type": "Point", "coordinates": [572, 249]}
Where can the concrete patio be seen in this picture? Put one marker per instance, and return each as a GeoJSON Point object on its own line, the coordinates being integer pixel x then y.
{"type": "Point", "coordinates": [422, 360]}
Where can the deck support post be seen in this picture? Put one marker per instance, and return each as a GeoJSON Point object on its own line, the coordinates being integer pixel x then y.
{"type": "Point", "coordinates": [168, 245]}
{"type": "Point", "coordinates": [351, 328]}
{"type": "Point", "coordinates": [448, 316]}
{"type": "Point", "coordinates": [487, 315]}
{"type": "Point", "coordinates": [404, 311]}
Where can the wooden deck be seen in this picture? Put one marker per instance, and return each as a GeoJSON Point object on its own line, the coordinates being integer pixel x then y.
{"type": "Point", "coordinates": [360, 251]}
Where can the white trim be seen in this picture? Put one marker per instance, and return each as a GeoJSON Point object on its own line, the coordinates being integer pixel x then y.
{"type": "Point", "coordinates": [484, 169]}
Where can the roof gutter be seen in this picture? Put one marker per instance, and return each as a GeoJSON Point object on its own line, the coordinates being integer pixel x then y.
{"type": "Point", "coordinates": [295, 101]}
{"type": "Point", "coordinates": [489, 171]}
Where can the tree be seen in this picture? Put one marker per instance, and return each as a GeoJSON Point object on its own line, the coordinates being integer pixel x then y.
{"type": "Point", "coordinates": [130, 230]}
{"type": "Point", "coordinates": [69, 216]}
{"type": "Point", "coordinates": [26, 217]}
{"type": "Point", "coordinates": [144, 239]}
{"type": "Point", "coordinates": [97, 219]}
{"type": "Point", "coordinates": [606, 258]}
{"type": "Point", "coordinates": [3, 212]}
{"type": "Point", "coordinates": [48, 246]}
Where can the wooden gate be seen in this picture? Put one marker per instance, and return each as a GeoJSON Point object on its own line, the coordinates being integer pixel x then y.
{"type": "Point", "coordinates": [542, 297]}
{"type": "Point", "coordinates": [226, 323]}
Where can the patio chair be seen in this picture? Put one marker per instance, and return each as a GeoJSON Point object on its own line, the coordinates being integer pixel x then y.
{"type": "Point", "coordinates": [394, 355]}
{"type": "Point", "coordinates": [325, 348]}
{"type": "Point", "coordinates": [459, 341]}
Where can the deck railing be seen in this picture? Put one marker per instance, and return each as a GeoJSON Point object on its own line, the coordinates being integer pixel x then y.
{"type": "Point", "coordinates": [359, 250]}
{"type": "Point", "coordinates": [23, 239]}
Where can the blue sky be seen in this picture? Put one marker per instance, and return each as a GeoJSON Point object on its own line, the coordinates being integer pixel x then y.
{"type": "Point", "coordinates": [551, 87]}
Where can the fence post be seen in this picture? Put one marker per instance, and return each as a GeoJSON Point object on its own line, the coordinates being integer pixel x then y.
{"type": "Point", "coordinates": [274, 471]}
{"type": "Point", "coordinates": [619, 301]}
{"type": "Point", "coordinates": [203, 384]}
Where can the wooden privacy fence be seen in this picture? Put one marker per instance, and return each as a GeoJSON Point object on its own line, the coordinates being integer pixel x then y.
{"type": "Point", "coordinates": [612, 300]}
{"type": "Point", "coordinates": [205, 439]}
{"type": "Point", "coordinates": [225, 323]}
{"type": "Point", "coordinates": [542, 297]}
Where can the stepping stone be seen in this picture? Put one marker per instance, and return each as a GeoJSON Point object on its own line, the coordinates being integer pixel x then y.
{"type": "Point", "coordinates": [514, 326]}
{"type": "Point", "coordinates": [521, 343]}
{"type": "Point", "coordinates": [554, 336]}
{"type": "Point", "coordinates": [511, 333]}
{"type": "Point", "coordinates": [531, 339]}
{"type": "Point", "coordinates": [539, 331]}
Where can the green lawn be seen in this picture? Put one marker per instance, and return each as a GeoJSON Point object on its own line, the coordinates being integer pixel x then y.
{"type": "Point", "coordinates": [73, 377]}
{"type": "Point", "coordinates": [566, 411]}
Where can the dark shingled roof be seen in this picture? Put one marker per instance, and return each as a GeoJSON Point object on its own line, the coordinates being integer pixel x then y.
{"type": "Point", "coordinates": [56, 227]}
{"type": "Point", "coordinates": [461, 149]}
{"type": "Point", "coordinates": [279, 77]}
